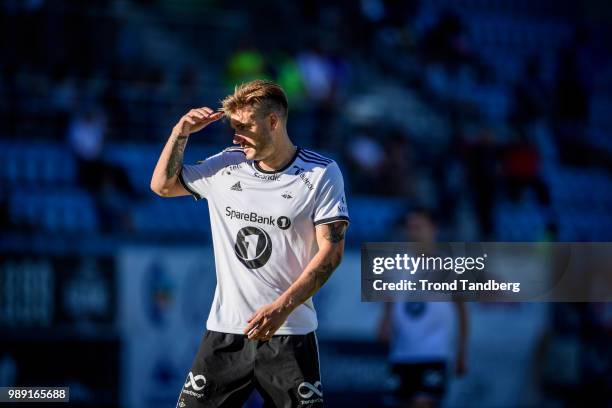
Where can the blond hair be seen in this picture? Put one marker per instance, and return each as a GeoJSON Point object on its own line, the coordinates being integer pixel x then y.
{"type": "Point", "coordinates": [263, 95]}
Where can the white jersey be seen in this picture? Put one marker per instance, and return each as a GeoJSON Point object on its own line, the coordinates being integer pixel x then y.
{"type": "Point", "coordinates": [422, 331]}
{"type": "Point", "coordinates": [263, 230]}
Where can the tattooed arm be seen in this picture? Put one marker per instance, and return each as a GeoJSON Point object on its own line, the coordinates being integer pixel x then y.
{"type": "Point", "coordinates": [165, 176]}
{"type": "Point", "coordinates": [330, 237]}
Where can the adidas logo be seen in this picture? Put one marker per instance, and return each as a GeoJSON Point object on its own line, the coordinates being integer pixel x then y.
{"type": "Point", "coordinates": [236, 187]}
{"type": "Point", "coordinates": [288, 195]}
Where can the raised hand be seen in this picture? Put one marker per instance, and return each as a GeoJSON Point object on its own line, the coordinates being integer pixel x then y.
{"type": "Point", "coordinates": [196, 120]}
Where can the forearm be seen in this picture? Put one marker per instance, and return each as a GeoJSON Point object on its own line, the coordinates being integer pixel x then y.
{"type": "Point", "coordinates": [169, 164]}
{"type": "Point", "coordinates": [314, 276]}
{"type": "Point", "coordinates": [269, 318]}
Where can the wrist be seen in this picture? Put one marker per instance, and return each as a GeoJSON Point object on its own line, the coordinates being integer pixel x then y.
{"type": "Point", "coordinates": [285, 304]}
{"type": "Point", "coordinates": [178, 134]}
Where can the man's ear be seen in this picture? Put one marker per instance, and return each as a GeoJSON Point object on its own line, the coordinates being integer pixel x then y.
{"type": "Point", "coordinates": [274, 120]}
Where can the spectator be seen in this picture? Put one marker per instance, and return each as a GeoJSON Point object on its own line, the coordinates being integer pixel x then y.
{"type": "Point", "coordinates": [365, 159]}
{"type": "Point", "coordinates": [86, 133]}
{"type": "Point", "coordinates": [245, 64]}
{"type": "Point", "coordinates": [317, 72]}
{"type": "Point", "coordinates": [446, 41]}
{"type": "Point", "coordinates": [520, 166]}
{"type": "Point", "coordinates": [531, 96]}
{"type": "Point", "coordinates": [481, 161]}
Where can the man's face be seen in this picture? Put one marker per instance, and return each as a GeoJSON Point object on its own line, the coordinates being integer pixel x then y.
{"type": "Point", "coordinates": [420, 228]}
{"type": "Point", "coordinates": [252, 133]}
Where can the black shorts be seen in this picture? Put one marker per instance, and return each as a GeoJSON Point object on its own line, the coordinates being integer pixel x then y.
{"type": "Point", "coordinates": [228, 367]}
{"type": "Point", "coordinates": [425, 379]}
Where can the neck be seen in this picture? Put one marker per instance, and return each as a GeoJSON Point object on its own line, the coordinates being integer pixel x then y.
{"type": "Point", "coordinates": [281, 155]}
{"type": "Point", "coordinates": [426, 247]}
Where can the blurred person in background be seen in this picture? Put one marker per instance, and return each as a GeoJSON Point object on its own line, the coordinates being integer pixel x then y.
{"type": "Point", "coordinates": [245, 64]}
{"type": "Point", "coordinates": [86, 134]}
{"type": "Point", "coordinates": [365, 160]}
{"type": "Point", "coordinates": [420, 334]}
{"type": "Point", "coordinates": [481, 157]}
{"type": "Point", "coordinates": [530, 95]}
{"type": "Point", "coordinates": [278, 215]}
{"type": "Point", "coordinates": [575, 355]}
{"type": "Point", "coordinates": [520, 167]}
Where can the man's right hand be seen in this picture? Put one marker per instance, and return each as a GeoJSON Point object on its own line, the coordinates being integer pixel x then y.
{"type": "Point", "coordinates": [196, 120]}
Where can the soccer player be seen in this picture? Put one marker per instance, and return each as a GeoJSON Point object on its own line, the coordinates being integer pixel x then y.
{"type": "Point", "coordinates": [421, 334]}
{"type": "Point", "coordinates": [278, 215]}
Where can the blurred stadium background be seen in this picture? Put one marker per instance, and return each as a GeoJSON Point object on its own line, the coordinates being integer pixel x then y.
{"type": "Point", "coordinates": [496, 114]}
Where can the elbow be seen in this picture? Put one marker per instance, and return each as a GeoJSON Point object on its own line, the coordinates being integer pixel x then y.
{"type": "Point", "coordinates": [158, 189]}
{"type": "Point", "coordinates": [159, 193]}
{"type": "Point", "coordinates": [155, 187]}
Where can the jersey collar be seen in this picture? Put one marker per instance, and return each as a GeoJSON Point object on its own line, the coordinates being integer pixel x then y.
{"type": "Point", "coordinates": [285, 167]}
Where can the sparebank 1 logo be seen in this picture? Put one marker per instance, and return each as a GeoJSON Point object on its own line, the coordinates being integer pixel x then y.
{"type": "Point", "coordinates": [253, 247]}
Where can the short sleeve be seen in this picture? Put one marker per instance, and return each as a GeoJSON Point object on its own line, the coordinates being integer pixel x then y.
{"type": "Point", "coordinates": [197, 178]}
{"type": "Point", "coordinates": [330, 201]}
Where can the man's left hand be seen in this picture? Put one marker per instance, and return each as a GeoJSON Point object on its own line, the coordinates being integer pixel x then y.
{"type": "Point", "coordinates": [266, 321]}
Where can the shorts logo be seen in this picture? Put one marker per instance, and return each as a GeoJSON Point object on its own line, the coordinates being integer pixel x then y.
{"type": "Point", "coordinates": [197, 383]}
{"type": "Point", "coordinates": [307, 390]}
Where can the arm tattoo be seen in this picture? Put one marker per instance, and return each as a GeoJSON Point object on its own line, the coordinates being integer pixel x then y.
{"type": "Point", "coordinates": [322, 274]}
{"type": "Point", "coordinates": [176, 157]}
{"type": "Point", "coordinates": [335, 232]}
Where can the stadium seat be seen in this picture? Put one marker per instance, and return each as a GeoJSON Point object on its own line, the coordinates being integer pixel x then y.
{"type": "Point", "coordinates": [54, 211]}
